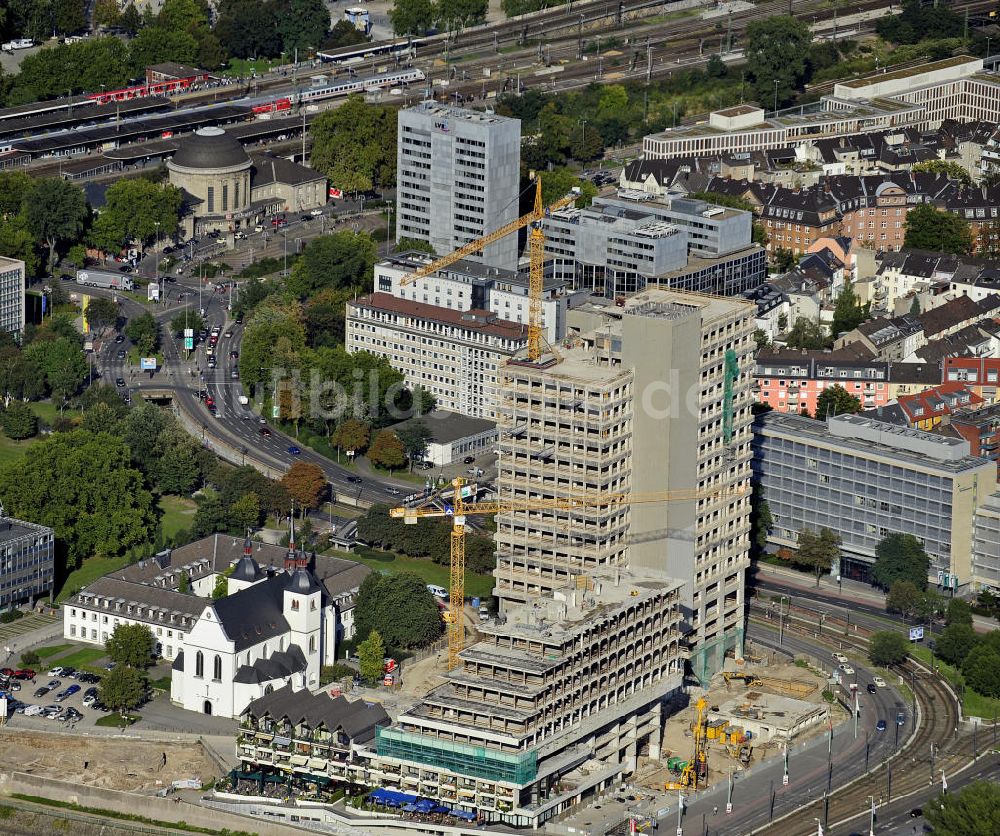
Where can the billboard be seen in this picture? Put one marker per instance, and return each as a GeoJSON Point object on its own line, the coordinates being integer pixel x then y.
{"type": "Point", "coordinates": [335, 193]}
{"type": "Point", "coordinates": [147, 364]}
{"type": "Point", "coordinates": [153, 292]}
{"type": "Point", "coordinates": [916, 634]}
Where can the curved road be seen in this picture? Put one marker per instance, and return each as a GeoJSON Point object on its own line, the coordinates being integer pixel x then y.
{"type": "Point", "coordinates": [234, 425]}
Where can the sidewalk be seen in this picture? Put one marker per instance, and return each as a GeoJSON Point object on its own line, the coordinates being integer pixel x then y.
{"type": "Point", "coordinates": [847, 590]}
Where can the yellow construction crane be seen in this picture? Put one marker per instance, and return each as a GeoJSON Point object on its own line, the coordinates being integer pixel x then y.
{"type": "Point", "coordinates": [460, 509]}
{"type": "Point", "coordinates": [536, 241]}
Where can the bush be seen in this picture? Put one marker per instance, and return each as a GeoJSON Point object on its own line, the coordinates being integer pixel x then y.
{"type": "Point", "coordinates": [30, 659]}
{"type": "Point", "coordinates": [10, 615]}
{"type": "Point", "coordinates": [888, 648]}
{"type": "Point", "coordinates": [335, 672]}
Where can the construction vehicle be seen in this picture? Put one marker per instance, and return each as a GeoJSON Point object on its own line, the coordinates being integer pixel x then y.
{"type": "Point", "coordinates": [460, 509]}
{"type": "Point", "coordinates": [694, 773]}
{"type": "Point", "coordinates": [748, 679]}
{"type": "Point", "coordinates": [536, 244]}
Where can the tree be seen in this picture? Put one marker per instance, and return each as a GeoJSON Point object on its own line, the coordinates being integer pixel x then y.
{"type": "Point", "coordinates": [761, 520]}
{"type": "Point", "coordinates": [405, 244]}
{"type": "Point", "coordinates": [324, 315]}
{"type": "Point", "coordinates": [848, 313]}
{"type": "Point", "coordinates": [387, 451]}
{"type": "Point", "coordinates": [952, 170]}
{"type": "Point", "coordinates": [955, 642]}
{"type": "Point", "coordinates": [188, 318]}
{"type": "Point", "coordinates": [19, 421]}
{"type": "Point", "coordinates": [351, 434]}
{"type": "Point", "coordinates": [716, 67]}
{"type": "Point", "coordinates": [122, 689]}
{"type": "Point", "coordinates": [902, 598]}
{"type": "Point", "coordinates": [371, 658]}
{"type": "Point", "coordinates": [107, 13]}
{"type": "Point", "coordinates": [586, 144]}
{"type": "Point", "coordinates": [355, 145]}
{"type": "Point", "coordinates": [928, 228]}
{"type": "Point", "coordinates": [414, 435]}
{"type": "Point", "coordinates": [82, 485]}
{"type": "Point", "coordinates": [339, 261]}
{"type": "Point", "coordinates": [900, 557]}
{"type": "Point", "coordinates": [836, 400]}
{"type": "Point", "coordinates": [249, 28]}
{"type": "Point", "coordinates": [971, 812]}
{"type": "Point", "coordinates": [760, 339]}
{"type": "Point", "coordinates": [245, 512]}
{"type": "Point", "coordinates": [306, 483]}
{"type": "Point", "coordinates": [303, 25]}
{"type": "Point", "coordinates": [958, 611]}
{"type": "Point", "coordinates": [817, 551]}
{"type": "Point", "coordinates": [783, 259]}
{"type": "Point", "coordinates": [888, 647]}
{"type": "Point", "coordinates": [63, 363]}
{"type": "Point", "coordinates": [398, 607]}
{"type": "Point", "coordinates": [210, 517]}
{"type": "Point", "coordinates": [221, 588]}
{"type": "Point", "coordinates": [462, 12]}
{"type": "Point", "coordinates": [132, 645]}
{"type": "Point", "coordinates": [144, 331]}
{"type": "Point", "coordinates": [136, 210]}
{"type": "Point", "coordinates": [915, 306]}
{"type": "Point", "coordinates": [184, 584]}
{"type": "Point", "coordinates": [806, 334]}
{"type": "Point", "coordinates": [981, 670]}
{"type": "Point", "coordinates": [102, 313]}
{"type": "Point", "coordinates": [177, 470]}
{"type": "Point", "coordinates": [777, 52]}
{"type": "Point", "coordinates": [411, 17]}
{"type": "Point", "coordinates": [130, 20]}
{"type": "Point", "coordinates": [56, 213]}
{"type": "Point", "coordinates": [344, 33]}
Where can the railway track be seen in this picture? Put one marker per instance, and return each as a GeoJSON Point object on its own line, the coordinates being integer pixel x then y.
{"type": "Point", "coordinates": [938, 744]}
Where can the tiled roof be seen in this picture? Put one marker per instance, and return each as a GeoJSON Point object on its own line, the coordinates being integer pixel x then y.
{"type": "Point", "coordinates": [358, 719]}
{"type": "Point", "coordinates": [484, 322]}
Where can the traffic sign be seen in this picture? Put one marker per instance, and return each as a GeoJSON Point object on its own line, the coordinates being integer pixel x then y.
{"type": "Point", "coordinates": [916, 634]}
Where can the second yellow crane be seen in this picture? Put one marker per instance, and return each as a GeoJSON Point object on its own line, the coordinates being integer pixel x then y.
{"type": "Point", "coordinates": [460, 509]}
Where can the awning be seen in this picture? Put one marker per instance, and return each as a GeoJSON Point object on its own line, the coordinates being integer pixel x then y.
{"type": "Point", "coordinates": [263, 735]}
{"type": "Point", "coordinates": [317, 763]}
{"type": "Point", "coordinates": [391, 797]}
{"type": "Point", "coordinates": [298, 760]}
{"type": "Point", "coordinates": [464, 814]}
{"type": "Point", "coordinates": [467, 793]}
{"type": "Point", "coordinates": [282, 741]}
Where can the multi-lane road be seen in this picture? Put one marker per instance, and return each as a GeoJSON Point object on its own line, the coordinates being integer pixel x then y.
{"type": "Point", "coordinates": [235, 431]}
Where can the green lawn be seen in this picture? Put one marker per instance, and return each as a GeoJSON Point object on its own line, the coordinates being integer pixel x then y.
{"type": "Point", "coordinates": [480, 586]}
{"type": "Point", "coordinates": [178, 513]}
{"type": "Point", "coordinates": [92, 569]}
{"type": "Point", "coordinates": [85, 657]}
{"type": "Point", "coordinates": [244, 66]}
{"type": "Point", "coordinates": [115, 721]}
{"type": "Point", "coordinates": [51, 650]}
{"type": "Point", "coordinates": [11, 450]}
{"type": "Point", "coordinates": [974, 704]}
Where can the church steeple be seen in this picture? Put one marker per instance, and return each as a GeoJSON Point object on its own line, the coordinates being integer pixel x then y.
{"type": "Point", "coordinates": [291, 561]}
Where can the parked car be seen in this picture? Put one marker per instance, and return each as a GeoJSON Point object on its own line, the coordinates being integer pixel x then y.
{"type": "Point", "coordinates": [41, 692]}
{"type": "Point", "coordinates": [65, 695]}
{"type": "Point", "coordinates": [6, 671]}
{"type": "Point", "coordinates": [316, 213]}
{"type": "Point", "coordinates": [69, 673]}
{"type": "Point", "coordinates": [469, 459]}
{"type": "Point", "coordinates": [33, 710]}
{"type": "Point", "coordinates": [52, 684]}
{"type": "Point", "coordinates": [24, 674]}
{"type": "Point", "coordinates": [55, 672]}
{"type": "Point", "coordinates": [70, 715]}
{"type": "Point", "coordinates": [89, 700]}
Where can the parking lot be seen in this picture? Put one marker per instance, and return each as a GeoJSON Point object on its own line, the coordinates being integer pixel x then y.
{"type": "Point", "coordinates": [59, 694]}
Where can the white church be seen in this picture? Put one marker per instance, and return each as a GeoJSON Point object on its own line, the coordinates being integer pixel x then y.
{"type": "Point", "coordinates": [283, 616]}
{"type": "Point", "coordinates": [267, 632]}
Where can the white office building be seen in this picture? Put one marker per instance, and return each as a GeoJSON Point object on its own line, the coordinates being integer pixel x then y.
{"type": "Point", "coordinates": [12, 296]}
{"type": "Point", "coordinates": [457, 178]}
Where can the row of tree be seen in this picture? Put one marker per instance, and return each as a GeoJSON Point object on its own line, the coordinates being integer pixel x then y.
{"type": "Point", "coordinates": [415, 17]}
{"type": "Point", "coordinates": [432, 538]}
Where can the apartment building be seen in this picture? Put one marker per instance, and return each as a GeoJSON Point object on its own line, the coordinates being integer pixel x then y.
{"type": "Point", "coordinates": [623, 243]}
{"type": "Point", "coordinates": [977, 424]}
{"type": "Point", "coordinates": [458, 174]}
{"type": "Point", "coordinates": [986, 544]}
{"type": "Point", "coordinates": [865, 479]}
{"type": "Point", "coordinates": [656, 398]}
{"type": "Point", "coordinates": [466, 285]}
{"type": "Point", "coordinates": [922, 97]}
{"type": "Point", "coordinates": [980, 374]}
{"type": "Point", "coordinates": [12, 288]}
{"type": "Point", "coordinates": [454, 355]}
{"type": "Point", "coordinates": [27, 561]}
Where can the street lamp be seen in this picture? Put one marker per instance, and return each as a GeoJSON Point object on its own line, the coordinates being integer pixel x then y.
{"type": "Point", "coordinates": [776, 97]}
{"type": "Point", "coordinates": [781, 617]}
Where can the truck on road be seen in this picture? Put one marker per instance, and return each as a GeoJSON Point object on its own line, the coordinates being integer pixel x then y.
{"type": "Point", "coordinates": [103, 278]}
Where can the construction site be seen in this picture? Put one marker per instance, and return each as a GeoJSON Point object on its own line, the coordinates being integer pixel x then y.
{"type": "Point", "coordinates": [749, 713]}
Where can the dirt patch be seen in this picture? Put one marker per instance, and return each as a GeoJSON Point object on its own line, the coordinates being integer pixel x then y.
{"type": "Point", "coordinates": [110, 763]}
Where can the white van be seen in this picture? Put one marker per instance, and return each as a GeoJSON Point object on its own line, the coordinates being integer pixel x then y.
{"type": "Point", "coordinates": [437, 591]}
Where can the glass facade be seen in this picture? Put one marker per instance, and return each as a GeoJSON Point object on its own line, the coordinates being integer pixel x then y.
{"type": "Point", "coordinates": [26, 561]}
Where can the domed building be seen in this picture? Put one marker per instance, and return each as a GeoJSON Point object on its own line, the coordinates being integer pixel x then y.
{"type": "Point", "coordinates": [227, 190]}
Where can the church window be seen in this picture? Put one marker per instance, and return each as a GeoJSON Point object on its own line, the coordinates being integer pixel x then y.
{"type": "Point", "coordinates": [295, 604]}
{"type": "Point", "coordinates": [217, 668]}
{"type": "Point", "coordinates": [199, 664]}
{"type": "Point", "coordinates": [211, 198]}
{"type": "Point", "coordinates": [312, 644]}
{"type": "Point", "coordinates": [312, 604]}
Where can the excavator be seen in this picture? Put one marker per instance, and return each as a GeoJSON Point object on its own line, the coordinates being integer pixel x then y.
{"type": "Point", "coordinates": [748, 679]}
{"type": "Point", "coordinates": [694, 773]}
